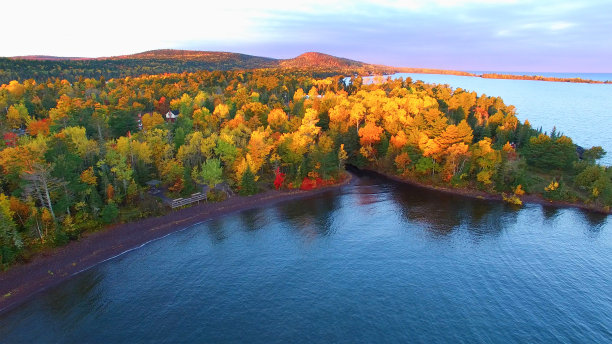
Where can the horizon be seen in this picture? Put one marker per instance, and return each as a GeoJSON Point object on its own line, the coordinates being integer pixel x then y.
{"type": "Point", "coordinates": [472, 35]}
{"type": "Point", "coordinates": [475, 71]}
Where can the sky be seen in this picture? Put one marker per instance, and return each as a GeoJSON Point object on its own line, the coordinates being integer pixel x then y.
{"type": "Point", "coordinates": [473, 35]}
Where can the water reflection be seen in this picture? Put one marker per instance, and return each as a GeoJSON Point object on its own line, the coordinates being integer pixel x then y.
{"type": "Point", "coordinates": [442, 213]}
{"type": "Point", "coordinates": [311, 217]}
{"type": "Point", "coordinates": [251, 220]}
{"type": "Point", "coordinates": [86, 286]}
{"type": "Point", "coordinates": [217, 230]}
{"type": "Point", "coordinates": [596, 223]}
{"type": "Point", "coordinates": [380, 256]}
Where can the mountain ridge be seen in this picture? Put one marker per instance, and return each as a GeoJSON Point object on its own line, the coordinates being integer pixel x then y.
{"type": "Point", "coordinates": [305, 60]}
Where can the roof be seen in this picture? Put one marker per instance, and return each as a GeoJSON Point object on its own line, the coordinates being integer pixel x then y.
{"type": "Point", "coordinates": [171, 114]}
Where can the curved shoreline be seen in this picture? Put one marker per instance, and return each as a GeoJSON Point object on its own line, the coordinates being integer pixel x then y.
{"type": "Point", "coordinates": [502, 76]}
{"type": "Point", "coordinates": [482, 195]}
{"type": "Point", "coordinates": [47, 269]}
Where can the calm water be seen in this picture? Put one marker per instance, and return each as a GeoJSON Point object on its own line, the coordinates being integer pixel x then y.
{"type": "Point", "coordinates": [374, 262]}
{"type": "Point", "coordinates": [580, 111]}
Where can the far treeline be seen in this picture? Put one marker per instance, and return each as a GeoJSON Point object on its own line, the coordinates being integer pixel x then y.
{"type": "Point", "coordinates": [73, 70]}
{"type": "Point", "coordinates": [74, 158]}
{"type": "Point", "coordinates": [157, 62]}
{"type": "Point", "coordinates": [542, 78]}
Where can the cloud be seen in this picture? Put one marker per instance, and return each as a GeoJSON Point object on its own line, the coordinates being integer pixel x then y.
{"type": "Point", "coordinates": [438, 33]}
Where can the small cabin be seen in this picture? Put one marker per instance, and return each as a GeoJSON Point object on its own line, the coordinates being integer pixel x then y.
{"type": "Point", "coordinates": [139, 121]}
{"type": "Point", "coordinates": [171, 116]}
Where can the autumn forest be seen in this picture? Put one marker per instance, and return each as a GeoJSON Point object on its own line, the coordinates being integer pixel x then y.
{"type": "Point", "coordinates": [79, 155]}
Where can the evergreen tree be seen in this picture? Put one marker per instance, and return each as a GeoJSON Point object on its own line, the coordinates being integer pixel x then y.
{"type": "Point", "coordinates": [247, 184]}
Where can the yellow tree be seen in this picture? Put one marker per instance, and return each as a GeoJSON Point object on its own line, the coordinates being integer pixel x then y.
{"type": "Point", "coordinates": [277, 118]}
{"type": "Point", "coordinates": [431, 149]}
{"type": "Point", "coordinates": [357, 114]}
{"type": "Point", "coordinates": [85, 147]}
{"type": "Point", "coordinates": [221, 111]}
{"type": "Point", "coordinates": [339, 116]}
{"type": "Point", "coordinates": [201, 117]}
{"type": "Point", "coordinates": [151, 120]}
{"type": "Point", "coordinates": [17, 115]}
{"type": "Point", "coordinates": [486, 160]}
{"type": "Point", "coordinates": [258, 148]}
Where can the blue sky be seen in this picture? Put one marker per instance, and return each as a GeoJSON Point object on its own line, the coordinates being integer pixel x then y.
{"type": "Point", "coordinates": [505, 35]}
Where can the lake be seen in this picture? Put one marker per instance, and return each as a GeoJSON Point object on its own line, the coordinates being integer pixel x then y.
{"type": "Point", "coordinates": [580, 111]}
{"type": "Point", "coordinates": [371, 262]}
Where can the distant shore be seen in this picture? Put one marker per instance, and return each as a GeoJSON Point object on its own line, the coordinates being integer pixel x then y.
{"type": "Point", "coordinates": [501, 76]}
{"type": "Point", "coordinates": [21, 282]}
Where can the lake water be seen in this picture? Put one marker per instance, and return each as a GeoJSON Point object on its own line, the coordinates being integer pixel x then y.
{"type": "Point", "coordinates": [372, 262]}
{"type": "Point", "coordinates": [580, 111]}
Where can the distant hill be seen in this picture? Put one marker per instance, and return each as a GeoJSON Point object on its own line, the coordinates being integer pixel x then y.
{"type": "Point", "coordinates": [314, 60]}
{"type": "Point", "coordinates": [43, 67]}
{"type": "Point", "coordinates": [47, 58]}
{"type": "Point", "coordinates": [222, 59]}
{"type": "Point", "coordinates": [306, 60]}
{"type": "Point", "coordinates": [241, 61]}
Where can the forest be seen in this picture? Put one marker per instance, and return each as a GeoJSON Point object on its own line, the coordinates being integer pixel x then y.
{"type": "Point", "coordinates": [73, 70]}
{"type": "Point", "coordinates": [42, 68]}
{"type": "Point", "coordinates": [79, 155]}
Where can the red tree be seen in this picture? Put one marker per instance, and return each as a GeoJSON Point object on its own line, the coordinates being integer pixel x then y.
{"type": "Point", "coordinates": [279, 179]}
{"type": "Point", "coordinates": [10, 139]}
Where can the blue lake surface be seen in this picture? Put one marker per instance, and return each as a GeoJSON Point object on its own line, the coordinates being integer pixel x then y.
{"type": "Point", "coordinates": [580, 111]}
{"type": "Point", "coordinates": [372, 262]}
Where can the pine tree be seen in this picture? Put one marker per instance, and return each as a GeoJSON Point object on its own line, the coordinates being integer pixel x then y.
{"type": "Point", "coordinates": [247, 184]}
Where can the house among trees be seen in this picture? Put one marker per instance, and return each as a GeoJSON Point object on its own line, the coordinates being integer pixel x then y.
{"type": "Point", "coordinates": [171, 116]}
{"type": "Point", "coordinates": [139, 121]}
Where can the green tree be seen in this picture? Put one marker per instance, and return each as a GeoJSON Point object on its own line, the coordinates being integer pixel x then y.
{"type": "Point", "coordinates": [10, 239]}
{"type": "Point", "coordinates": [247, 184]}
{"type": "Point", "coordinates": [211, 173]}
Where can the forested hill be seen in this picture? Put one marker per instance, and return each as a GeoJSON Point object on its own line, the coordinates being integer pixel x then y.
{"type": "Point", "coordinates": [152, 62]}
{"type": "Point", "coordinates": [224, 60]}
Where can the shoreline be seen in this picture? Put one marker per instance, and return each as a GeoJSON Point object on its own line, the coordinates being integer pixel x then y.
{"type": "Point", "coordinates": [502, 76]}
{"type": "Point", "coordinates": [21, 282]}
{"type": "Point", "coordinates": [482, 195]}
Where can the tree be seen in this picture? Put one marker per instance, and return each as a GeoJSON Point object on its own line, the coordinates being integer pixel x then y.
{"type": "Point", "coordinates": [279, 178]}
{"type": "Point", "coordinates": [10, 239]}
{"type": "Point", "coordinates": [593, 154]}
{"type": "Point", "coordinates": [16, 115]}
{"type": "Point", "coordinates": [486, 160]}
{"type": "Point", "coordinates": [40, 127]}
{"type": "Point", "coordinates": [109, 213]}
{"type": "Point", "coordinates": [277, 119]}
{"type": "Point", "coordinates": [151, 120]}
{"type": "Point", "coordinates": [211, 173]}
{"type": "Point", "coordinates": [247, 183]}
{"type": "Point", "coordinates": [548, 153]}
{"type": "Point", "coordinates": [41, 183]}
{"type": "Point", "coordinates": [342, 157]}
{"type": "Point", "coordinates": [368, 136]}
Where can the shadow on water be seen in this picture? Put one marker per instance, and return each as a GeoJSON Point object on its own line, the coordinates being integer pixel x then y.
{"type": "Point", "coordinates": [86, 285]}
{"type": "Point", "coordinates": [250, 220]}
{"type": "Point", "coordinates": [217, 230]}
{"type": "Point", "coordinates": [597, 222]}
{"type": "Point", "coordinates": [311, 216]}
{"type": "Point", "coordinates": [439, 212]}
